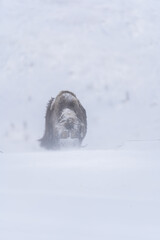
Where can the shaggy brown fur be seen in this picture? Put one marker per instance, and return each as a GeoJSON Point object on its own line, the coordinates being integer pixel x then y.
{"type": "Point", "coordinates": [58, 122]}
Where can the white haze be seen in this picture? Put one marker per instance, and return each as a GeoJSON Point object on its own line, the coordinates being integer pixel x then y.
{"type": "Point", "coordinates": [108, 54]}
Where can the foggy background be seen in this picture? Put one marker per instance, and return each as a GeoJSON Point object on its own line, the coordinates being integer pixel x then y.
{"type": "Point", "coordinates": [106, 52]}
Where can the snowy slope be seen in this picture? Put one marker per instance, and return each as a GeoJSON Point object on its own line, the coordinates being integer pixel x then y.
{"type": "Point", "coordinates": [79, 195]}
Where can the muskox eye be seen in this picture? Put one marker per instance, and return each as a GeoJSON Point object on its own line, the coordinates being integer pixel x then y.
{"type": "Point", "coordinates": [64, 134]}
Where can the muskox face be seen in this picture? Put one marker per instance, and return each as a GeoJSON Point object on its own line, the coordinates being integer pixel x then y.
{"type": "Point", "coordinates": [66, 123]}
{"type": "Point", "coordinates": [68, 129]}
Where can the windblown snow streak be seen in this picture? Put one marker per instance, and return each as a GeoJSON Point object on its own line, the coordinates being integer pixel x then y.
{"type": "Point", "coordinates": [65, 123]}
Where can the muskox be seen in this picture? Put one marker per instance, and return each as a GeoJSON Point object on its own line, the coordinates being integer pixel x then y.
{"type": "Point", "coordinates": [65, 122]}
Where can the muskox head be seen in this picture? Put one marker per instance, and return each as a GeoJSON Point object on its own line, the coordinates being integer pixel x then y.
{"type": "Point", "coordinates": [65, 122]}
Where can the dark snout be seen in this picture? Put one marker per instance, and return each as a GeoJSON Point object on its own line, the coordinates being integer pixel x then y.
{"type": "Point", "coordinates": [69, 124]}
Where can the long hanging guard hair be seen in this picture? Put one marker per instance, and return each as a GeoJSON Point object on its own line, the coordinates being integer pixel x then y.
{"type": "Point", "coordinates": [55, 108]}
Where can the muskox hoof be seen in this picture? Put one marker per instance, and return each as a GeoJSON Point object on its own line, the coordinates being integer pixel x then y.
{"type": "Point", "coordinates": [65, 122]}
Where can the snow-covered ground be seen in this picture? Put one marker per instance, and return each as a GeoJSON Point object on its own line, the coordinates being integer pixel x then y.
{"type": "Point", "coordinates": [79, 195]}
{"type": "Point", "coordinates": [108, 54]}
